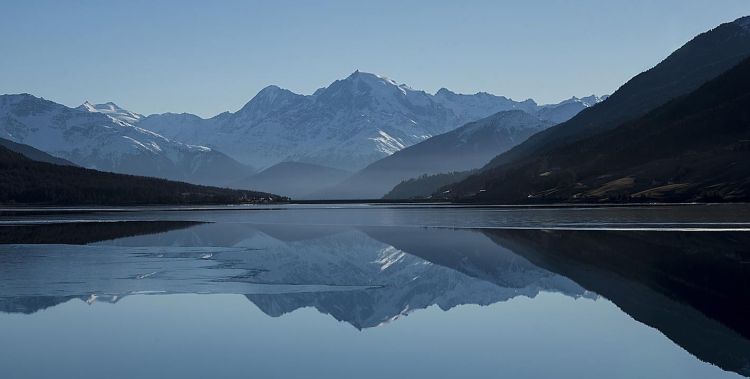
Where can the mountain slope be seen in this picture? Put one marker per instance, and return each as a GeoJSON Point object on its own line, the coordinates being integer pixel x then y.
{"type": "Point", "coordinates": [32, 153]}
{"type": "Point", "coordinates": [695, 148]}
{"type": "Point", "coordinates": [24, 181]}
{"type": "Point", "coordinates": [467, 147]}
{"type": "Point", "coordinates": [294, 179]}
{"type": "Point", "coordinates": [101, 141]}
{"type": "Point", "coordinates": [698, 61]}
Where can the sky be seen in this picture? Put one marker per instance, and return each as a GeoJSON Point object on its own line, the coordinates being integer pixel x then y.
{"type": "Point", "coordinates": [209, 57]}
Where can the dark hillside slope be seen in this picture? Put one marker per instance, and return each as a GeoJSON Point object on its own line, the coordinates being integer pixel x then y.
{"type": "Point", "coordinates": [695, 148]}
{"type": "Point", "coordinates": [24, 181]}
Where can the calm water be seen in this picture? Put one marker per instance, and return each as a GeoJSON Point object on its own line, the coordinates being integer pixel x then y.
{"type": "Point", "coordinates": [373, 291]}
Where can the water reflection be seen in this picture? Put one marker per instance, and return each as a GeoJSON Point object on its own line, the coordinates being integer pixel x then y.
{"type": "Point", "coordinates": [364, 276]}
{"type": "Point", "coordinates": [693, 287]}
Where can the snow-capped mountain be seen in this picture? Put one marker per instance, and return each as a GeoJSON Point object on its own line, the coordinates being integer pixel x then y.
{"type": "Point", "coordinates": [349, 124]}
{"type": "Point", "coordinates": [98, 137]}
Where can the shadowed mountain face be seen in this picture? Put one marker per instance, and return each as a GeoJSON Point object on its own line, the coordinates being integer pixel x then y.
{"type": "Point", "coordinates": [651, 152]}
{"type": "Point", "coordinates": [692, 149]}
{"type": "Point", "coordinates": [691, 286]}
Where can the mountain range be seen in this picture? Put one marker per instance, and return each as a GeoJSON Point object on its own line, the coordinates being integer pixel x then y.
{"type": "Point", "coordinates": [347, 125]}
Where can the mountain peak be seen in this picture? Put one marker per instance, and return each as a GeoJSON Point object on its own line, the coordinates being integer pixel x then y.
{"type": "Point", "coordinates": [271, 94]}
{"type": "Point", "coordinates": [444, 92]}
{"type": "Point", "coordinates": [372, 78]}
{"type": "Point", "coordinates": [269, 99]}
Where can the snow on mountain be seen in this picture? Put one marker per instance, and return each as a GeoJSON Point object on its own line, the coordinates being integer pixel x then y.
{"type": "Point", "coordinates": [98, 137]}
{"type": "Point", "coordinates": [113, 111]}
{"type": "Point", "coordinates": [347, 125]}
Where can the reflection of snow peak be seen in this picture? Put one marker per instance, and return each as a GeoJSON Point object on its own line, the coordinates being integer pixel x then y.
{"type": "Point", "coordinates": [389, 256]}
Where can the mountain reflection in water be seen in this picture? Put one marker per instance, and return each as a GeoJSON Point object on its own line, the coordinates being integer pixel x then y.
{"type": "Point", "coordinates": [691, 286]}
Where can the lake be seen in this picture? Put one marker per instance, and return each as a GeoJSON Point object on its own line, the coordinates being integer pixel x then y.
{"type": "Point", "coordinates": [375, 291]}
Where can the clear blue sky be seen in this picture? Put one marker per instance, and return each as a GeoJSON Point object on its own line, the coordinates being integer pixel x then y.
{"type": "Point", "coordinates": [207, 57]}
